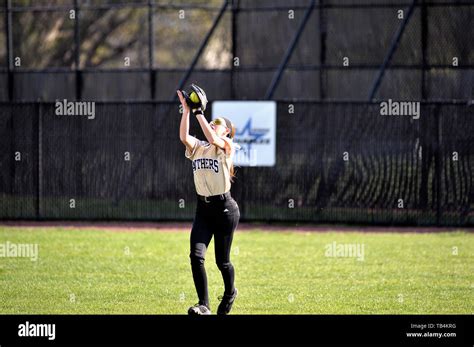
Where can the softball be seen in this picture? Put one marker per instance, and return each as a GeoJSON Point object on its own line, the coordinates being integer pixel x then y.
{"type": "Point", "coordinates": [194, 98]}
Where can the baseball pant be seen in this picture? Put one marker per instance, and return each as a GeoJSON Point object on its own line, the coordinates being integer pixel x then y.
{"type": "Point", "coordinates": [218, 219]}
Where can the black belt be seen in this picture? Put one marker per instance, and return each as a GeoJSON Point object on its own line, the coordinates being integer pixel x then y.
{"type": "Point", "coordinates": [219, 197]}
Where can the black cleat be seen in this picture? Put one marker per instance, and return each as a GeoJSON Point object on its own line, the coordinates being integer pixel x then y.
{"type": "Point", "coordinates": [199, 310]}
{"type": "Point", "coordinates": [226, 303]}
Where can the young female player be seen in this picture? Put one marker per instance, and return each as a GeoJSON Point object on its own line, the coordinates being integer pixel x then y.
{"type": "Point", "coordinates": [217, 213]}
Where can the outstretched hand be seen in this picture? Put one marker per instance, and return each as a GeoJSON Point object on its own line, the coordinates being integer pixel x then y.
{"type": "Point", "coordinates": [183, 101]}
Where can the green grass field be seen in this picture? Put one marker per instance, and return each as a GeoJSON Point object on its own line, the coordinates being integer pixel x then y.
{"type": "Point", "coordinates": [148, 272]}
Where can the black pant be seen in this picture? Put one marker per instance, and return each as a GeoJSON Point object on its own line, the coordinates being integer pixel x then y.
{"type": "Point", "coordinates": [219, 218]}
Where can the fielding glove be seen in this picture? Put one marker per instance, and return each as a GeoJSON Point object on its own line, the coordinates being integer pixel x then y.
{"type": "Point", "coordinates": [196, 98]}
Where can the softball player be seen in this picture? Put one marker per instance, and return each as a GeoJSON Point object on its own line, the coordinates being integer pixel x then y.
{"type": "Point", "coordinates": [217, 213]}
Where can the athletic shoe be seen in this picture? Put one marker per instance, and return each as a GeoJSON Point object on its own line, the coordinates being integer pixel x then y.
{"type": "Point", "coordinates": [226, 303]}
{"type": "Point", "coordinates": [199, 310]}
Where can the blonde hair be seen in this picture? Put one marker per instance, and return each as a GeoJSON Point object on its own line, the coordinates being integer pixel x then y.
{"type": "Point", "coordinates": [230, 135]}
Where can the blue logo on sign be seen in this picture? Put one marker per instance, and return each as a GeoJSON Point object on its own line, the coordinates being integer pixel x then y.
{"type": "Point", "coordinates": [248, 136]}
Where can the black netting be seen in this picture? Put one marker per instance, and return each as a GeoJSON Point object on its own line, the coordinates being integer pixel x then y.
{"type": "Point", "coordinates": [3, 51]}
{"type": "Point", "coordinates": [456, 164]}
{"type": "Point", "coordinates": [93, 169]}
{"type": "Point", "coordinates": [336, 162]}
{"type": "Point", "coordinates": [298, 82]}
{"type": "Point", "coordinates": [391, 161]}
{"type": "Point", "coordinates": [216, 83]}
{"type": "Point", "coordinates": [19, 169]}
{"type": "Point", "coordinates": [449, 35]}
{"type": "Point", "coordinates": [253, 84]}
{"type": "Point", "coordinates": [32, 86]}
{"type": "Point", "coordinates": [3, 86]}
{"type": "Point", "coordinates": [107, 86]}
{"type": "Point", "coordinates": [450, 84]}
{"type": "Point", "coordinates": [263, 38]}
{"type": "Point", "coordinates": [433, 59]}
{"type": "Point", "coordinates": [364, 36]}
{"type": "Point", "coordinates": [383, 166]}
{"type": "Point", "coordinates": [427, 165]}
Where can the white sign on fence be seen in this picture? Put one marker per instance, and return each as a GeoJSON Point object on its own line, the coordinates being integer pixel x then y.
{"type": "Point", "coordinates": [255, 123]}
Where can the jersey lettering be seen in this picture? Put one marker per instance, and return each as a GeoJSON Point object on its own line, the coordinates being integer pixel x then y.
{"type": "Point", "coordinates": [206, 164]}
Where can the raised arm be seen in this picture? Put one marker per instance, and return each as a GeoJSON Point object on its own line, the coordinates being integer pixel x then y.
{"type": "Point", "coordinates": [188, 140]}
{"type": "Point", "coordinates": [210, 134]}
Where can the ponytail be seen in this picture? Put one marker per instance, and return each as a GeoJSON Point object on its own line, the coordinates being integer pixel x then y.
{"type": "Point", "coordinates": [230, 135]}
{"type": "Point", "coordinates": [232, 173]}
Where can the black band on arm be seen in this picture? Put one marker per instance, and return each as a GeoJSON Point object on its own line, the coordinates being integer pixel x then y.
{"type": "Point", "coordinates": [198, 111]}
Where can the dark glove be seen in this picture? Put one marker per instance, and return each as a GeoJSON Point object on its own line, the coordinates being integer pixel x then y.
{"type": "Point", "coordinates": [196, 98]}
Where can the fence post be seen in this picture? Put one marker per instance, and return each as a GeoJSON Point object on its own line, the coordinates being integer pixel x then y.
{"type": "Point", "coordinates": [235, 5]}
{"type": "Point", "coordinates": [424, 40]}
{"type": "Point", "coordinates": [151, 48]}
{"type": "Point", "coordinates": [77, 50]}
{"type": "Point", "coordinates": [322, 49]}
{"type": "Point", "coordinates": [9, 46]}
{"type": "Point", "coordinates": [39, 202]}
{"type": "Point", "coordinates": [438, 167]}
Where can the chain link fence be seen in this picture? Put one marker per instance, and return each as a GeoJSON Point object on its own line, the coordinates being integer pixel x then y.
{"type": "Point", "coordinates": [336, 162]}
{"type": "Point", "coordinates": [144, 49]}
{"type": "Point", "coordinates": [338, 158]}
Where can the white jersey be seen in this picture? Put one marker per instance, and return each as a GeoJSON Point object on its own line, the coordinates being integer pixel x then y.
{"type": "Point", "coordinates": [211, 167]}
